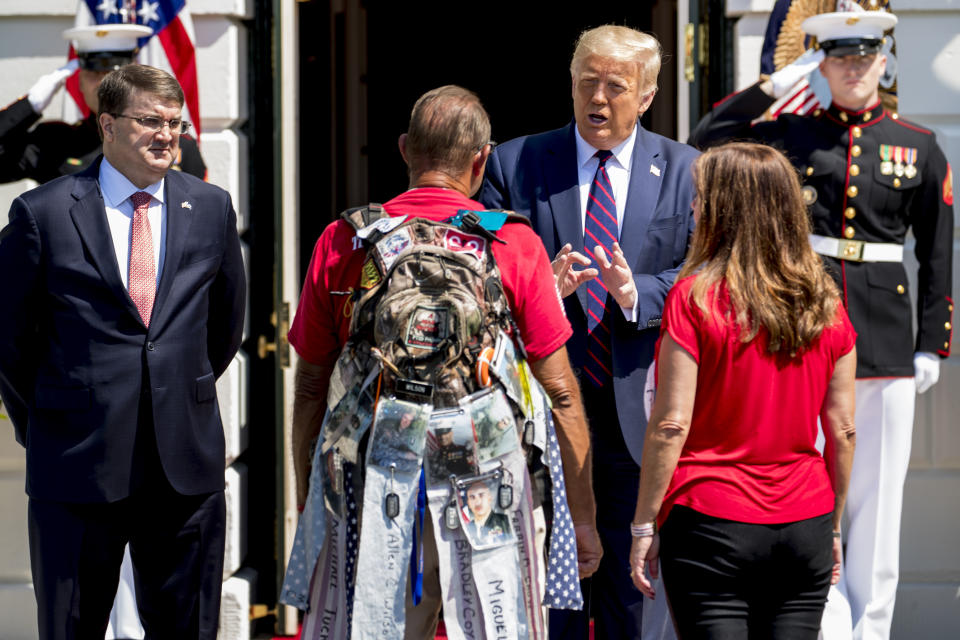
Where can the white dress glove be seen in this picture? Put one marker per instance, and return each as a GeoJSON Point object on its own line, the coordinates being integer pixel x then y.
{"type": "Point", "coordinates": [926, 367]}
{"type": "Point", "coordinates": [42, 92]}
{"type": "Point", "coordinates": [795, 71]}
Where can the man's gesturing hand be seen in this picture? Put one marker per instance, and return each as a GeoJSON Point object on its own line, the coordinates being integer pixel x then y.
{"type": "Point", "coordinates": [616, 275]}
{"type": "Point", "coordinates": [568, 279]}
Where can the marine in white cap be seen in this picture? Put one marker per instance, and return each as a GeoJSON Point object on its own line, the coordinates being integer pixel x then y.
{"type": "Point", "coordinates": [51, 149]}
{"type": "Point", "coordinates": [869, 177]}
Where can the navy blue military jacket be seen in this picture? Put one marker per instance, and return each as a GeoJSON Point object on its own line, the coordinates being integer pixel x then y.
{"type": "Point", "coordinates": [855, 190]}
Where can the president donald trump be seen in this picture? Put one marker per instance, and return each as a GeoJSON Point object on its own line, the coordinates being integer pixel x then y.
{"type": "Point", "coordinates": [123, 302]}
{"type": "Point", "coordinates": [612, 202]}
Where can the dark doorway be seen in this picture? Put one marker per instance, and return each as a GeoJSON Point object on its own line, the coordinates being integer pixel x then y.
{"type": "Point", "coordinates": [514, 55]}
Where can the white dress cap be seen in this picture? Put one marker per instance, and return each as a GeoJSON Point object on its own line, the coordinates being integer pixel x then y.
{"type": "Point", "coordinates": [843, 25]}
{"type": "Point", "coordinates": [107, 37]}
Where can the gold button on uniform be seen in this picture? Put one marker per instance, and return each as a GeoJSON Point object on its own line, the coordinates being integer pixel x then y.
{"type": "Point", "coordinates": [947, 326]}
{"type": "Point", "coordinates": [850, 213]}
{"type": "Point", "coordinates": [856, 151]}
{"type": "Point", "coordinates": [946, 345]}
{"type": "Point", "coordinates": [848, 232]}
{"type": "Point", "coordinates": [854, 170]}
{"type": "Point", "coordinates": [844, 116]}
{"type": "Point", "coordinates": [856, 132]}
{"type": "Point", "coordinates": [809, 171]}
{"type": "Point", "coordinates": [852, 191]}
{"type": "Point", "coordinates": [896, 182]}
{"type": "Point", "coordinates": [900, 288]}
{"type": "Point", "coordinates": [816, 114]}
{"type": "Point", "coordinates": [950, 308]}
{"type": "Point", "coordinates": [895, 116]}
{"type": "Point", "coordinates": [866, 116]}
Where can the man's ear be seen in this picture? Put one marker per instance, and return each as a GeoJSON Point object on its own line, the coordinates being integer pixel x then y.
{"type": "Point", "coordinates": [646, 101]}
{"type": "Point", "coordinates": [480, 162]}
{"type": "Point", "coordinates": [402, 145]}
{"type": "Point", "coordinates": [107, 123]}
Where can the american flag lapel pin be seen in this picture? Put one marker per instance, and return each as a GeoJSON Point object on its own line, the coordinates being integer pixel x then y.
{"type": "Point", "coordinates": [655, 170]}
{"type": "Point", "coordinates": [186, 205]}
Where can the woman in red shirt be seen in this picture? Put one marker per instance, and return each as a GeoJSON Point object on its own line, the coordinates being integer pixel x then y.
{"type": "Point", "coordinates": [754, 347]}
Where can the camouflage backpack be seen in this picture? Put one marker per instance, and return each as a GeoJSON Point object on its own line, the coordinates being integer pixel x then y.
{"type": "Point", "coordinates": [430, 299]}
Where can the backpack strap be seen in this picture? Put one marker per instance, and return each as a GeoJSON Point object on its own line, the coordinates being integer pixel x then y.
{"type": "Point", "coordinates": [360, 217]}
{"type": "Point", "coordinates": [485, 223]}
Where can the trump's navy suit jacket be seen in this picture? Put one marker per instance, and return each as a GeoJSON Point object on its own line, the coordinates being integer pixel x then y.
{"type": "Point", "coordinates": [74, 350]}
{"type": "Point", "coordinates": [536, 176]}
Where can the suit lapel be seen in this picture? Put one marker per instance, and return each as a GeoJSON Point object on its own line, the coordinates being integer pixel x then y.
{"type": "Point", "coordinates": [646, 176]}
{"type": "Point", "coordinates": [179, 219]}
{"type": "Point", "coordinates": [560, 176]}
{"type": "Point", "coordinates": [90, 217]}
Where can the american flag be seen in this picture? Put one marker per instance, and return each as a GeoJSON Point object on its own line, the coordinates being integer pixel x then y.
{"type": "Point", "coordinates": [169, 48]}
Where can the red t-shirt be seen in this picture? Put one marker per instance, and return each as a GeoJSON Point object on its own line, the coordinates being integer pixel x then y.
{"type": "Point", "coordinates": [321, 325]}
{"type": "Point", "coordinates": [750, 453]}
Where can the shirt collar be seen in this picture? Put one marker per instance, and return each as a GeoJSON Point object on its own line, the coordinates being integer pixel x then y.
{"type": "Point", "coordinates": [116, 188]}
{"type": "Point", "coordinates": [623, 152]}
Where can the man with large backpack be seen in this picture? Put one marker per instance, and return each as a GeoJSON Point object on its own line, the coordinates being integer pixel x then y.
{"type": "Point", "coordinates": [429, 304]}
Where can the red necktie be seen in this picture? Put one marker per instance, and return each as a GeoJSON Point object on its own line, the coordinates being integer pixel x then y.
{"type": "Point", "coordinates": [142, 278]}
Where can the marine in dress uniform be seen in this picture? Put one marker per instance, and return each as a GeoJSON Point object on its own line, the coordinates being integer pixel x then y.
{"type": "Point", "coordinates": [869, 176]}
{"type": "Point", "coordinates": [52, 149]}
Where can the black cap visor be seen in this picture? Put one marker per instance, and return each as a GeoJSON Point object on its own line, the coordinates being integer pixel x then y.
{"type": "Point", "coordinates": [852, 46]}
{"type": "Point", "coordinates": [105, 60]}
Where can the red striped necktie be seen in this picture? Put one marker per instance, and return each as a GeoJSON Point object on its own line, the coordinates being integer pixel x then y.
{"type": "Point", "coordinates": [600, 228]}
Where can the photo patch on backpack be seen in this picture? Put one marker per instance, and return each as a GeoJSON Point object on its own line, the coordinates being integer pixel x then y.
{"type": "Point", "coordinates": [427, 327]}
{"type": "Point", "coordinates": [390, 247]}
{"type": "Point", "coordinates": [465, 243]}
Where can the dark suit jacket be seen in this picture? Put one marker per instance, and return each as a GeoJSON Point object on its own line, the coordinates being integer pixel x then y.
{"type": "Point", "coordinates": [74, 351]}
{"type": "Point", "coordinates": [536, 176]}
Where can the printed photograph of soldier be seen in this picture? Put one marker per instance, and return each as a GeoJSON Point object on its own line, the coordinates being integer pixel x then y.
{"type": "Point", "coordinates": [450, 448]}
{"type": "Point", "coordinates": [484, 524]}
{"type": "Point", "coordinates": [350, 418]}
{"type": "Point", "coordinates": [494, 423]}
{"type": "Point", "coordinates": [399, 431]}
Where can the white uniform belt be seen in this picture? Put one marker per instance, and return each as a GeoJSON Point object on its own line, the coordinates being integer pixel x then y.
{"type": "Point", "coordinates": [856, 250]}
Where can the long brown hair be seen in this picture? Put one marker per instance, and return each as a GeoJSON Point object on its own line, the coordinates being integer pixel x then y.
{"type": "Point", "coordinates": [752, 237]}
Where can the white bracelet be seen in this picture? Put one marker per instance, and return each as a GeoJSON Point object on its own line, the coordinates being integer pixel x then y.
{"type": "Point", "coordinates": [645, 530]}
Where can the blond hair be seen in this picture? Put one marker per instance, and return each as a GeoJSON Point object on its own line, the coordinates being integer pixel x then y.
{"type": "Point", "coordinates": [625, 45]}
{"type": "Point", "coordinates": [752, 237]}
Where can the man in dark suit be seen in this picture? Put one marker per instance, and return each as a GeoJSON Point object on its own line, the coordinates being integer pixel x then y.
{"type": "Point", "coordinates": [606, 188]}
{"type": "Point", "coordinates": [124, 302]}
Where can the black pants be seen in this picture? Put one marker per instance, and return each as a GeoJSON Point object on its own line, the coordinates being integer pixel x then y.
{"type": "Point", "coordinates": [727, 579]}
{"type": "Point", "coordinates": [609, 596]}
{"type": "Point", "coordinates": [176, 545]}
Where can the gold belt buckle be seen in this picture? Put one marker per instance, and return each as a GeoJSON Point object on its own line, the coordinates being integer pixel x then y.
{"type": "Point", "coordinates": [851, 250]}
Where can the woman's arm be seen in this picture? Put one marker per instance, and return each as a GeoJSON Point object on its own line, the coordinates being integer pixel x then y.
{"type": "Point", "coordinates": [666, 433]}
{"type": "Point", "coordinates": [836, 417]}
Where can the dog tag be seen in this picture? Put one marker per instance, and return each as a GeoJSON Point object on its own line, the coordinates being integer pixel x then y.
{"type": "Point", "coordinates": [505, 496]}
{"type": "Point", "coordinates": [528, 434]}
{"type": "Point", "coordinates": [450, 516]}
{"type": "Point", "coordinates": [392, 505]}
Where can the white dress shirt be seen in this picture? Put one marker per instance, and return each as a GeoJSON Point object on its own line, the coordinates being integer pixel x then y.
{"type": "Point", "coordinates": [618, 170]}
{"type": "Point", "coordinates": [116, 190]}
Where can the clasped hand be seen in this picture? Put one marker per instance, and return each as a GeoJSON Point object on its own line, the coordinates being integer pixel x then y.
{"type": "Point", "coordinates": [614, 272]}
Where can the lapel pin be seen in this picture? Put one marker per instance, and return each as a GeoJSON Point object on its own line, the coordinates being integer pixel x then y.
{"type": "Point", "coordinates": [655, 170]}
{"type": "Point", "coordinates": [187, 205]}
